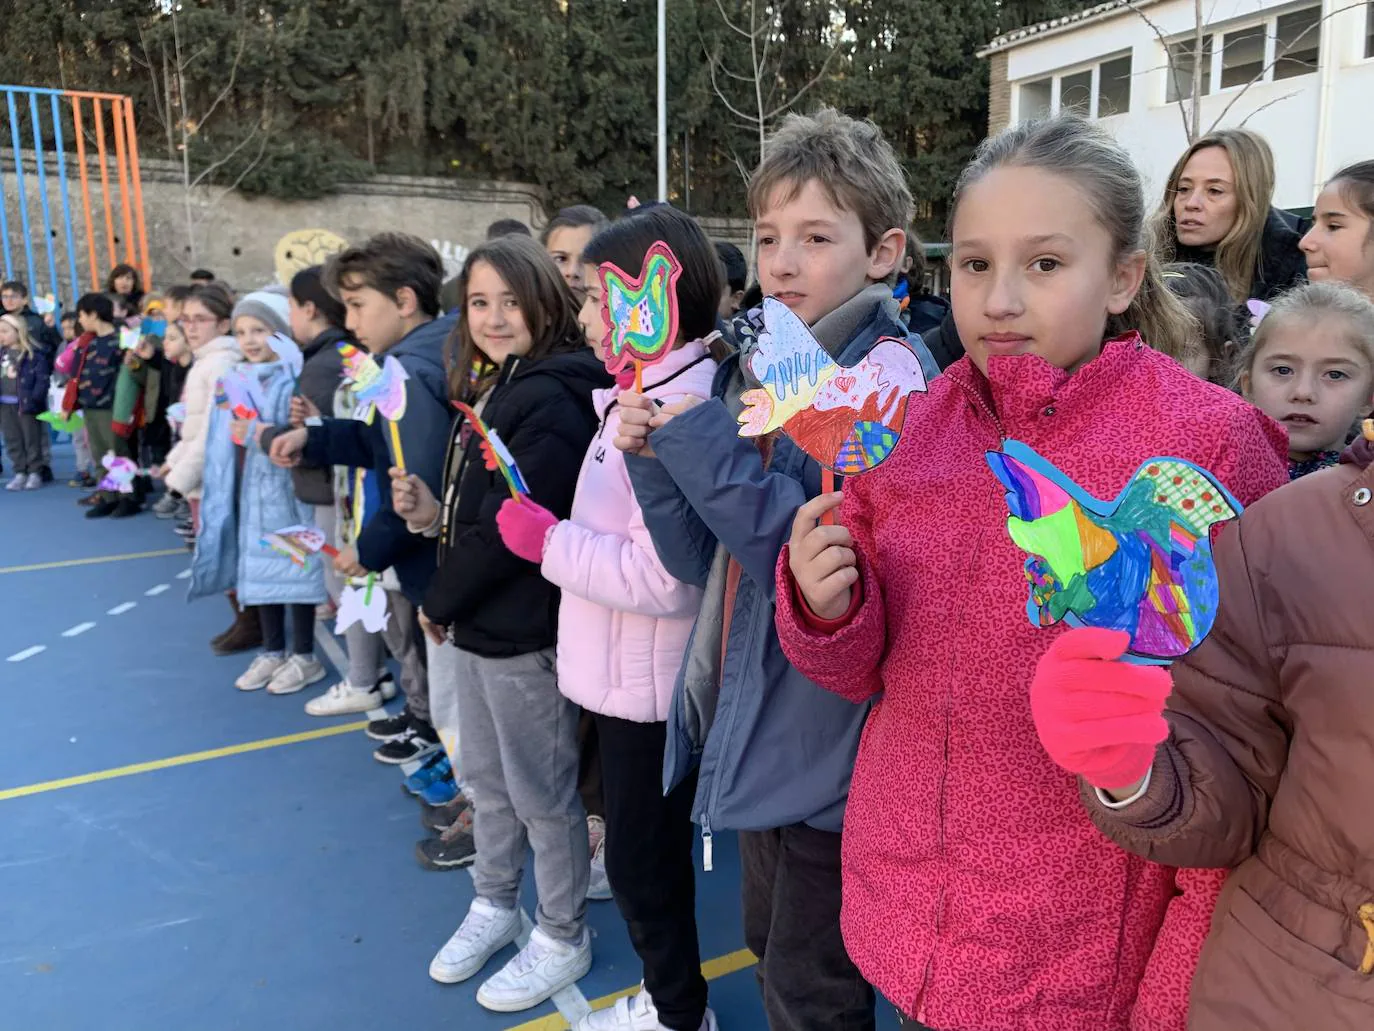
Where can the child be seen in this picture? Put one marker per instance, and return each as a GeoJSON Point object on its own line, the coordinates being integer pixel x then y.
{"type": "Point", "coordinates": [1310, 366]}
{"type": "Point", "coordinates": [243, 503]}
{"type": "Point", "coordinates": [565, 237]}
{"type": "Point", "coordinates": [1203, 293]}
{"type": "Point", "coordinates": [390, 289]}
{"type": "Point", "coordinates": [623, 624]}
{"type": "Point", "coordinates": [736, 271]}
{"type": "Point", "coordinates": [521, 361]}
{"type": "Point", "coordinates": [829, 204]}
{"type": "Point", "coordinates": [24, 373]}
{"type": "Point", "coordinates": [174, 363]}
{"type": "Point", "coordinates": [1264, 762]}
{"type": "Point", "coordinates": [97, 366]}
{"type": "Point", "coordinates": [977, 893]}
{"type": "Point", "coordinates": [1340, 244]}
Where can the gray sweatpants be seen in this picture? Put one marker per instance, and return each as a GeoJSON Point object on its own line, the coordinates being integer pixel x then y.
{"type": "Point", "coordinates": [23, 438]}
{"type": "Point", "coordinates": [366, 652]}
{"type": "Point", "coordinates": [519, 743]}
{"type": "Point", "coordinates": [442, 672]}
{"type": "Point", "coordinates": [326, 518]}
{"type": "Point", "coordinates": [403, 638]}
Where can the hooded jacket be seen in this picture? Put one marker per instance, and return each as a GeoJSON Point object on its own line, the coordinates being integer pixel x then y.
{"type": "Point", "coordinates": [494, 603]}
{"type": "Point", "coordinates": [1269, 765]}
{"type": "Point", "coordinates": [186, 460]}
{"type": "Point", "coordinates": [1016, 914]}
{"type": "Point", "coordinates": [385, 542]}
{"type": "Point", "coordinates": [623, 621]}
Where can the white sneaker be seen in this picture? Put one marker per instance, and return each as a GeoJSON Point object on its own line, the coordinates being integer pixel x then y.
{"type": "Point", "coordinates": [17, 483]}
{"type": "Point", "coordinates": [484, 931]}
{"type": "Point", "coordinates": [599, 887]}
{"type": "Point", "coordinates": [298, 671]}
{"type": "Point", "coordinates": [33, 482]}
{"type": "Point", "coordinates": [260, 673]}
{"type": "Point", "coordinates": [636, 1013]}
{"type": "Point", "coordinates": [541, 969]}
{"type": "Point", "coordinates": [342, 699]}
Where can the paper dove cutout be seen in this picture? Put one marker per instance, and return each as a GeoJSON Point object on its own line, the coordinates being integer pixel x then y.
{"type": "Point", "coordinates": [176, 414]}
{"type": "Point", "coordinates": [641, 313]}
{"type": "Point", "coordinates": [380, 387]}
{"type": "Point", "coordinates": [120, 474]}
{"type": "Point", "coordinates": [848, 418]}
{"type": "Point", "coordinates": [298, 543]}
{"type": "Point", "coordinates": [356, 606]}
{"type": "Point", "coordinates": [63, 424]}
{"type": "Point", "coordinates": [1141, 562]}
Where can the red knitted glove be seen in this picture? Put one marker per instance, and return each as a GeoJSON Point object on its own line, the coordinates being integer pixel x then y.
{"type": "Point", "coordinates": [1098, 717]}
{"type": "Point", "coordinates": [525, 527]}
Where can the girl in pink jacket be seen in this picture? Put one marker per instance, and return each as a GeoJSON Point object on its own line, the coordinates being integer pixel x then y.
{"type": "Point", "coordinates": [978, 896]}
{"type": "Point", "coordinates": [623, 625]}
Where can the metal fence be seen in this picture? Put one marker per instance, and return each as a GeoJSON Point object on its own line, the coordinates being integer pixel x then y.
{"type": "Point", "coordinates": [62, 142]}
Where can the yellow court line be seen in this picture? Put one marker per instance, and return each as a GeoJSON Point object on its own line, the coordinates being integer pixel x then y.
{"type": "Point", "coordinates": [711, 969]}
{"type": "Point", "coordinates": [180, 760]}
{"type": "Point", "coordinates": [65, 563]}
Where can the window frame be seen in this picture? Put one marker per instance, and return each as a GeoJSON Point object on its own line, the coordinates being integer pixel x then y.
{"type": "Point", "coordinates": [1056, 83]}
{"type": "Point", "coordinates": [1269, 25]}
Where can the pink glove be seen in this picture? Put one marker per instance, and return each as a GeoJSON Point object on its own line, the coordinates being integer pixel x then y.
{"type": "Point", "coordinates": [1099, 717]}
{"type": "Point", "coordinates": [525, 527]}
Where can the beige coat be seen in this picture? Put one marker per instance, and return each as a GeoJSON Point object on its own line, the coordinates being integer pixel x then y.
{"type": "Point", "coordinates": [186, 460]}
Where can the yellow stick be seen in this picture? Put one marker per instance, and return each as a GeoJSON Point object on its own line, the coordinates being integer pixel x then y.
{"type": "Point", "coordinates": [396, 452]}
{"type": "Point", "coordinates": [639, 377]}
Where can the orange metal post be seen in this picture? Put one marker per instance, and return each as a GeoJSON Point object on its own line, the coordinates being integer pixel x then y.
{"type": "Point", "coordinates": [85, 189]}
{"type": "Point", "coordinates": [117, 116]}
{"type": "Point", "coordinates": [104, 186]}
{"type": "Point", "coordinates": [147, 263]}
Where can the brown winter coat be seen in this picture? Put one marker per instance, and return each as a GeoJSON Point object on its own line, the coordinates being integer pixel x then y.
{"type": "Point", "coordinates": [1269, 766]}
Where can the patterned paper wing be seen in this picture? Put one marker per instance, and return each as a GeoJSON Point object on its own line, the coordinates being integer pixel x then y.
{"type": "Point", "coordinates": [789, 367]}
{"type": "Point", "coordinates": [387, 391]}
{"type": "Point", "coordinates": [1141, 563]}
{"type": "Point", "coordinates": [119, 475]}
{"type": "Point", "coordinates": [642, 313]}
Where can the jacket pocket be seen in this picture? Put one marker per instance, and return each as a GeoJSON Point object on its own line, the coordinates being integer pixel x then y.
{"type": "Point", "coordinates": [1255, 974]}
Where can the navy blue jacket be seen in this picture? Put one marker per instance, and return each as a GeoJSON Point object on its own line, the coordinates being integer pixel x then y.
{"type": "Point", "coordinates": [385, 543]}
{"type": "Point", "coordinates": [779, 749]}
{"type": "Point", "coordinates": [35, 369]}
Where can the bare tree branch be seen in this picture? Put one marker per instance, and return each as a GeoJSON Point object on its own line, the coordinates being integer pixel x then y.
{"type": "Point", "coordinates": [1267, 103]}
{"type": "Point", "coordinates": [720, 6]}
{"type": "Point", "coordinates": [825, 65]}
{"type": "Point", "coordinates": [214, 166]}
{"type": "Point", "coordinates": [720, 94]}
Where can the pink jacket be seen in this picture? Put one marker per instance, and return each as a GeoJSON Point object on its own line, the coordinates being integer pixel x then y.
{"type": "Point", "coordinates": [623, 622]}
{"type": "Point", "coordinates": [978, 896]}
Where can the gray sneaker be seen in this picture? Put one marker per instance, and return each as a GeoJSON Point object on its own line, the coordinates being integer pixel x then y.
{"type": "Point", "coordinates": [166, 506]}
{"type": "Point", "coordinates": [451, 850]}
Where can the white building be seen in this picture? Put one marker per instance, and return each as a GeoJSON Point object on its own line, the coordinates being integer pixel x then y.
{"type": "Point", "coordinates": [1301, 73]}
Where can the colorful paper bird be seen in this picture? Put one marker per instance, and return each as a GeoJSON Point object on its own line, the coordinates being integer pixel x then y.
{"type": "Point", "coordinates": [45, 305]}
{"type": "Point", "coordinates": [129, 336]}
{"type": "Point", "coordinates": [239, 391]}
{"type": "Point", "coordinates": [380, 388]}
{"type": "Point", "coordinates": [176, 414]}
{"type": "Point", "coordinates": [497, 455]}
{"type": "Point", "coordinates": [641, 313]}
{"type": "Point", "coordinates": [848, 418]}
{"type": "Point", "coordinates": [298, 543]}
{"type": "Point", "coordinates": [362, 604]}
{"type": "Point", "coordinates": [1141, 563]}
{"type": "Point", "coordinates": [120, 474]}
{"type": "Point", "coordinates": [63, 423]}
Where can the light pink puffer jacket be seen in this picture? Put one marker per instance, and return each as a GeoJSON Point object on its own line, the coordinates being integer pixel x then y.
{"type": "Point", "coordinates": [623, 622]}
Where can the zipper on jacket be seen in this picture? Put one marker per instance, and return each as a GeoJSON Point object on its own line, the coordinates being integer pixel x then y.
{"type": "Point", "coordinates": [706, 861]}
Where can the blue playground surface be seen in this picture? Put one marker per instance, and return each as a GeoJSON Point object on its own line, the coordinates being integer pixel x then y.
{"type": "Point", "coordinates": [174, 853]}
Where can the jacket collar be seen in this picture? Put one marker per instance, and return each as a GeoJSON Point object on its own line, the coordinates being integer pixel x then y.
{"type": "Point", "coordinates": [1020, 387]}
{"type": "Point", "coordinates": [329, 338]}
{"type": "Point", "coordinates": [224, 343]}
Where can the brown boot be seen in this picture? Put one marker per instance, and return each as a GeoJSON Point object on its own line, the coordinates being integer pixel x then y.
{"type": "Point", "coordinates": [244, 635]}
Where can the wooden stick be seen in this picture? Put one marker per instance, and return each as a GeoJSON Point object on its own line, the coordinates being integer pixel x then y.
{"type": "Point", "coordinates": [639, 377]}
{"type": "Point", "coordinates": [828, 487]}
{"type": "Point", "coordinates": [396, 451]}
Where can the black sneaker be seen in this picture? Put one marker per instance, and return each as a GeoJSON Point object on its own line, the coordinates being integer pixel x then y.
{"type": "Point", "coordinates": [451, 850]}
{"type": "Point", "coordinates": [125, 507]}
{"type": "Point", "coordinates": [440, 818]}
{"type": "Point", "coordinates": [418, 741]}
{"type": "Point", "coordinates": [45, 473]}
{"type": "Point", "coordinates": [390, 728]}
{"type": "Point", "coordinates": [101, 509]}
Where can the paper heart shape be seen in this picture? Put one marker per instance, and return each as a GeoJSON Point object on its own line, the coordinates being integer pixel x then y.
{"type": "Point", "coordinates": [846, 383]}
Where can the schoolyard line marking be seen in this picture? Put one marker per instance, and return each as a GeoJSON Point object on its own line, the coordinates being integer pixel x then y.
{"type": "Point", "coordinates": [711, 969]}
{"type": "Point", "coordinates": [180, 760]}
{"type": "Point", "coordinates": [77, 630]}
{"type": "Point", "coordinates": [28, 653]}
{"type": "Point", "coordinates": [70, 562]}
{"type": "Point", "coordinates": [185, 574]}
{"type": "Point", "coordinates": [153, 592]}
{"type": "Point", "coordinates": [119, 610]}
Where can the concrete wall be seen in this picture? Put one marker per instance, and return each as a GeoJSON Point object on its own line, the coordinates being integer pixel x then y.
{"type": "Point", "coordinates": [1290, 113]}
{"type": "Point", "coordinates": [248, 241]}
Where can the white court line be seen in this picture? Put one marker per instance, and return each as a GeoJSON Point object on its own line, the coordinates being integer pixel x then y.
{"type": "Point", "coordinates": [28, 653]}
{"type": "Point", "coordinates": [119, 610]}
{"type": "Point", "coordinates": [80, 628]}
{"type": "Point", "coordinates": [153, 592]}
{"type": "Point", "coordinates": [185, 574]}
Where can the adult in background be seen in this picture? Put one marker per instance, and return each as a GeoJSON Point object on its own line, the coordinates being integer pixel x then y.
{"type": "Point", "coordinates": [1217, 210]}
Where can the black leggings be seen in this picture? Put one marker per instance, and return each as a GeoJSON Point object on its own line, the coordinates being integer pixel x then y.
{"type": "Point", "coordinates": [272, 618]}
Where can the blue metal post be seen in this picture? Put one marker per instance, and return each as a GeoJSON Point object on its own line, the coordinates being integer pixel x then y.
{"type": "Point", "coordinates": [66, 200]}
{"type": "Point", "coordinates": [5, 231]}
{"type": "Point", "coordinates": [19, 178]}
{"type": "Point", "coordinates": [48, 234]}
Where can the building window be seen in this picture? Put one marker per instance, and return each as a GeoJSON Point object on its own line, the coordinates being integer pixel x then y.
{"type": "Point", "coordinates": [1369, 32]}
{"type": "Point", "coordinates": [1035, 98]}
{"type": "Point", "coordinates": [1297, 39]}
{"type": "Point", "coordinates": [1076, 93]}
{"type": "Point", "coordinates": [1242, 56]}
{"type": "Point", "coordinates": [1114, 87]}
{"type": "Point", "coordinates": [1182, 60]}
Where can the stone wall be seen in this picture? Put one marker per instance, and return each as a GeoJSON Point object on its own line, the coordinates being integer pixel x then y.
{"type": "Point", "coordinates": [248, 241]}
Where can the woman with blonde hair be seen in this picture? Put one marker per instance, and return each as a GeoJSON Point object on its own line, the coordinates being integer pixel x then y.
{"type": "Point", "coordinates": [1217, 210]}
